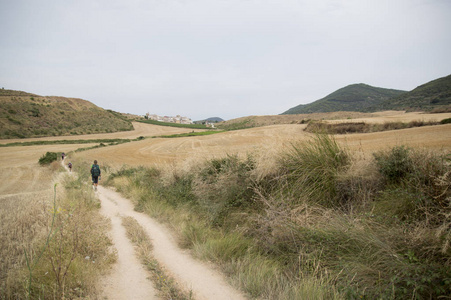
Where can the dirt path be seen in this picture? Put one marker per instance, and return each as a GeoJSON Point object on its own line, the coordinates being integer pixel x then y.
{"type": "Point", "coordinates": [202, 280]}
{"type": "Point", "coordinates": [128, 279]}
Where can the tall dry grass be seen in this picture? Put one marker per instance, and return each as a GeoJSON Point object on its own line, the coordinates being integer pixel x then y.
{"type": "Point", "coordinates": [55, 245]}
{"type": "Point", "coordinates": [23, 220]}
{"type": "Point", "coordinates": [311, 169]}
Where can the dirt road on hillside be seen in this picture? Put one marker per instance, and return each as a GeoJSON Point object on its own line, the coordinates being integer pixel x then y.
{"type": "Point", "coordinates": [128, 279]}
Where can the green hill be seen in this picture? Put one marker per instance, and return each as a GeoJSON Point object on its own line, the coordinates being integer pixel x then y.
{"type": "Point", "coordinates": [210, 120]}
{"type": "Point", "coordinates": [25, 115]}
{"type": "Point", "coordinates": [432, 95]}
{"type": "Point", "coordinates": [356, 97]}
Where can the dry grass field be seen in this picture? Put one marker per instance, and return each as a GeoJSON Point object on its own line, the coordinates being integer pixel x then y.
{"type": "Point", "coordinates": [25, 185]}
{"type": "Point", "coordinates": [268, 139]}
{"type": "Point", "coordinates": [141, 129]}
{"type": "Point", "coordinates": [396, 116]}
{"type": "Point", "coordinates": [20, 171]}
{"type": "Point", "coordinates": [343, 116]}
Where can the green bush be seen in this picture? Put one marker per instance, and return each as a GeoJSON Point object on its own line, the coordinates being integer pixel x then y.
{"type": "Point", "coordinates": [395, 164]}
{"type": "Point", "coordinates": [48, 158]}
{"type": "Point", "coordinates": [421, 177]}
{"type": "Point", "coordinates": [445, 121]}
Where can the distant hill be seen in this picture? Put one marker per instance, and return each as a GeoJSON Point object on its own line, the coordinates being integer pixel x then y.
{"type": "Point", "coordinates": [431, 95]}
{"type": "Point", "coordinates": [356, 97]}
{"type": "Point", "coordinates": [210, 120]}
{"type": "Point", "coordinates": [24, 115]}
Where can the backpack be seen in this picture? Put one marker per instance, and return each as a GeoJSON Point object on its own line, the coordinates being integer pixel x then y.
{"type": "Point", "coordinates": [95, 170]}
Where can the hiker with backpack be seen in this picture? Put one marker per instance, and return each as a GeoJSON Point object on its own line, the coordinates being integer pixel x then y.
{"type": "Point", "coordinates": [70, 167]}
{"type": "Point", "coordinates": [95, 172]}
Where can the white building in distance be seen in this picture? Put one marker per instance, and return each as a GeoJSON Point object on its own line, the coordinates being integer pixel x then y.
{"type": "Point", "coordinates": [177, 119]}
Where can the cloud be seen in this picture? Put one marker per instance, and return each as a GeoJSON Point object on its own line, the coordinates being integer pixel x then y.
{"type": "Point", "coordinates": [225, 58]}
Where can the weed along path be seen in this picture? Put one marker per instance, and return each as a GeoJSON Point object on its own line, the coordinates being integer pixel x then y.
{"type": "Point", "coordinates": [204, 282]}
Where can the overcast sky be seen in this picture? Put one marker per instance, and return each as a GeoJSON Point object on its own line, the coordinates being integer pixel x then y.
{"type": "Point", "coordinates": [219, 58]}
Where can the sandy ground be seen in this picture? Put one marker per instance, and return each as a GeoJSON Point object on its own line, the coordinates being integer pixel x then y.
{"type": "Point", "coordinates": [128, 280]}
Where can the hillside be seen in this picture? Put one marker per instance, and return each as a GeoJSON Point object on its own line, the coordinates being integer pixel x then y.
{"type": "Point", "coordinates": [431, 95]}
{"type": "Point", "coordinates": [28, 115]}
{"type": "Point", "coordinates": [356, 97]}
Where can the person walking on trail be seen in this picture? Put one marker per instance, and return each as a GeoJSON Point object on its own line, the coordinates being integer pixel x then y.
{"type": "Point", "coordinates": [70, 167]}
{"type": "Point", "coordinates": [63, 155]}
{"type": "Point", "coordinates": [95, 172]}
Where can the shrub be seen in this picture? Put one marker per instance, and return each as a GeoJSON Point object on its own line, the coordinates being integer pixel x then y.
{"type": "Point", "coordinates": [419, 178]}
{"type": "Point", "coordinates": [223, 186]}
{"type": "Point", "coordinates": [339, 128]}
{"type": "Point", "coordinates": [395, 164]}
{"type": "Point", "coordinates": [445, 121]}
{"type": "Point", "coordinates": [48, 158]}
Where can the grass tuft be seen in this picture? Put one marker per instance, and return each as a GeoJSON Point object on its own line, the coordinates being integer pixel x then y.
{"type": "Point", "coordinates": [167, 286]}
{"type": "Point", "coordinates": [311, 169]}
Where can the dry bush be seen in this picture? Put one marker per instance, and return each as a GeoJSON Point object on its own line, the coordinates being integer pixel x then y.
{"type": "Point", "coordinates": [443, 109]}
{"type": "Point", "coordinates": [224, 186]}
{"type": "Point", "coordinates": [362, 127]}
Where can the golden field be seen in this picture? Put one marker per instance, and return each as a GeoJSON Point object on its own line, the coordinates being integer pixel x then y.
{"type": "Point", "coordinates": [266, 139]}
